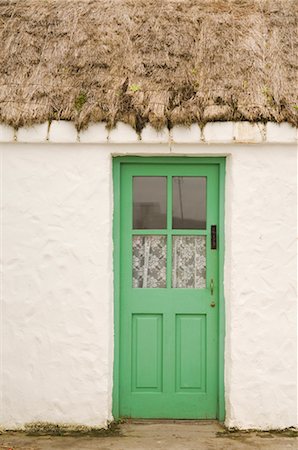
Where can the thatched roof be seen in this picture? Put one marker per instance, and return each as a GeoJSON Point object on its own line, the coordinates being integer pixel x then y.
{"type": "Point", "coordinates": [163, 61]}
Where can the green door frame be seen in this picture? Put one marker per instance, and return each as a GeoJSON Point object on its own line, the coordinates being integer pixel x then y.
{"type": "Point", "coordinates": [117, 161]}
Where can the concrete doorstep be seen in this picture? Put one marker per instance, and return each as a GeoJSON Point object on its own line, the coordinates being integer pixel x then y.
{"type": "Point", "coordinates": [154, 435]}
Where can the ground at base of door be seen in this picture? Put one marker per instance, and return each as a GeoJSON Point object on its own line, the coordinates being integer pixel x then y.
{"type": "Point", "coordinates": [155, 435]}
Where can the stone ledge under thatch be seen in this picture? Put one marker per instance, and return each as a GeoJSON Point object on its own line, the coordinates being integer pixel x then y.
{"type": "Point", "coordinates": [65, 132]}
{"type": "Point", "coordinates": [166, 62]}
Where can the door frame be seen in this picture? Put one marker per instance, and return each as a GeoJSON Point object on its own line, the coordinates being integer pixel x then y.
{"type": "Point", "coordinates": [221, 163]}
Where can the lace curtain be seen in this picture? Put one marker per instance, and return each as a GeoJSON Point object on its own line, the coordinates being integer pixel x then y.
{"type": "Point", "coordinates": [149, 261]}
{"type": "Point", "coordinates": [188, 261]}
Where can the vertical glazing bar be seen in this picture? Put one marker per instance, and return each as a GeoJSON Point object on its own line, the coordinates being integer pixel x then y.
{"type": "Point", "coordinates": [169, 231]}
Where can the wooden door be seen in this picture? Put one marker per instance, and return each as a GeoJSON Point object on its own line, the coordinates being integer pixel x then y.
{"type": "Point", "coordinates": [169, 290]}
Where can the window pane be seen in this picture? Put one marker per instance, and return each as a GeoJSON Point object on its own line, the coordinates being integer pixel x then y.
{"type": "Point", "coordinates": [189, 262]}
{"type": "Point", "coordinates": [149, 202]}
{"type": "Point", "coordinates": [189, 203]}
{"type": "Point", "coordinates": [149, 255]}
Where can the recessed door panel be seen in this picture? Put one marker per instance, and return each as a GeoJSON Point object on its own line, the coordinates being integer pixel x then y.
{"type": "Point", "coordinates": [190, 352]}
{"type": "Point", "coordinates": [146, 352]}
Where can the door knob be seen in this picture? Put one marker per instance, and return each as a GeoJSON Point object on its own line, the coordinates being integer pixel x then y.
{"type": "Point", "coordinates": [212, 304]}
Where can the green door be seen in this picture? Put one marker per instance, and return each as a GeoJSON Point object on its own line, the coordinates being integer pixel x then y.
{"type": "Point", "coordinates": [168, 350]}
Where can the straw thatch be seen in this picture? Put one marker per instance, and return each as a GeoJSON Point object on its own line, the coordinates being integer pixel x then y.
{"type": "Point", "coordinates": [163, 61]}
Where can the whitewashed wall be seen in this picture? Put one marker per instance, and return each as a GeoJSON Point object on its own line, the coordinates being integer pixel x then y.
{"type": "Point", "coordinates": [57, 281]}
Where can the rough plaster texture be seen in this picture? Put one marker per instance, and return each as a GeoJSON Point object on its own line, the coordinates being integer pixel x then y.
{"type": "Point", "coordinates": [37, 133]}
{"type": "Point", "coordinates": [181, 134]}
{"type": "Point", "coordinates": [57, 298]}
{"type": "Point", "coordinates": [261, 288]}
{"type": "Point", "coordinates": [7, 134]}
{"type": "Point", "coordinates": [94, 134]}
{"type": "Point", "coordinates": [62, 131]}
{"type": "Point", "coordinates": [123, 133]}
{"type": "Point", "coordinates": [57, 285]}
{"type": "Point", "coordinates": [218, 132]}
{"type": "Point", "coordinates": [283, 132]}
{"type": "Point", "coordinates": [249, 132]}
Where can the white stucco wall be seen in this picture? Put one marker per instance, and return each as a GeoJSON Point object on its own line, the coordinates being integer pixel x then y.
{"type": "Point", "coordinates": [57, 285]}
{"type": "Point", "coordinates": [57, 282]}
{"type": "Point", "coordinates": [260, 288]}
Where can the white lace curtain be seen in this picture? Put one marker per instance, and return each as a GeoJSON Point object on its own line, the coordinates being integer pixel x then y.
{"type": "Point", "coordinates": [188, 261]}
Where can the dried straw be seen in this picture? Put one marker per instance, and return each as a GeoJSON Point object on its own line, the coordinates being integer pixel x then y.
{"type": "Point", "coordinates": [163, 61]}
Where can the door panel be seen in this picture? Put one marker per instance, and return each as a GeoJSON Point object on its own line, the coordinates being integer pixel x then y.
{"type": "Point", "coordinates": [146, 353]}
{"type": "Point", "coordinates": [190, 365]}
{"type": "Point", "coordinates": [168, 328]}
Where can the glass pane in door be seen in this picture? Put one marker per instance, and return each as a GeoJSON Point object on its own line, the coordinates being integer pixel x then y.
{"type": "Point", "coordinates": [189, 262]}
{"type": "Point", "coordinates": [189, 203]}
{"type": "Point", "coordinates": [149, 203]}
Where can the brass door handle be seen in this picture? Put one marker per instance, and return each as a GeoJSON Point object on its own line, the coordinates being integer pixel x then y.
{"type": "Point", "coordinates": [212, 304]}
